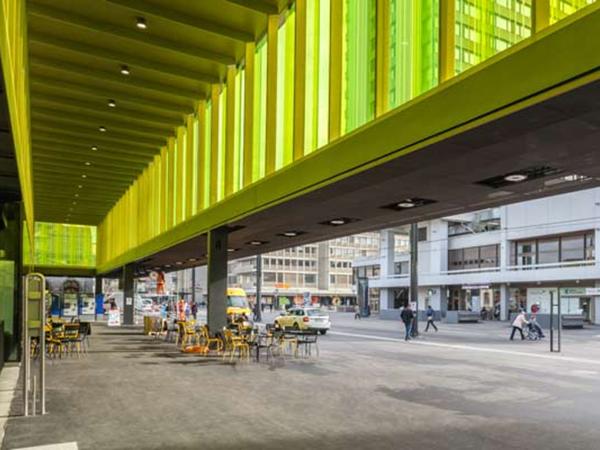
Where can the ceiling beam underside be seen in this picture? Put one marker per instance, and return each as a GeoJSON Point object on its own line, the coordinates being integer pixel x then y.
{"type": "Point", "coordinates": [183, 19]}
{"type": "Point", "coordinates": [92, 137]}
{"type": "Point", "coordinates": [142, 38]}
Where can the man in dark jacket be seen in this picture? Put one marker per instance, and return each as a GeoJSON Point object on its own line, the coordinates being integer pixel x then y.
{"type": "Point", "coordinates": [407, 317]}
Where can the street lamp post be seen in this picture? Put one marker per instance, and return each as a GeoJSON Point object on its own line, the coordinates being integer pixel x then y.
{"type": "Point", "coordinates": [414, 282]}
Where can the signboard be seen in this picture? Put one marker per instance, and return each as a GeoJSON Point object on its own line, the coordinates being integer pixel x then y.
{"type": "Point", "coordinates": [579, 292]}
{"type": "Point", "coordinates": [114, 318]}
{"type": "Point", "coordinates": [306, 298]}
{"type": "Point", "coordinates": [129, 301]}
{"type": "Point", "coordinates": [475, 286]}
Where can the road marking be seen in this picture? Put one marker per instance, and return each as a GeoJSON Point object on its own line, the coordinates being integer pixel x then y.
{"type": "Point", "coordinates": [469, 347]}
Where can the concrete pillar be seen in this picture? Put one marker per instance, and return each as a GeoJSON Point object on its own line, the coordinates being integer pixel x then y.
{"type": "Point", "coordinates": [504, 301]}
{"type": "Point", "coordinates": [217, 280]}
{"type": "Point", "coordinates": [595, 306]}
{"type": "Point", "coordinates": [386, 253]}
{"type": "Point", "coordinates": [323, 266]}
{"type": "Point", "coordinates": [385, 299]}
{"type": "Point", "coordinates": [504, 248]}
{"type": "Point", "coordinates": [443, 301]}
{"type": "Point", "coordinates": [128, 283]}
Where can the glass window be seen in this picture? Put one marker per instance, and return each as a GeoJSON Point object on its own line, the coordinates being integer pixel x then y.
{"type": "Point", "coordinates": [485, 27]}
{"type": "Point", "coordinates": [422, 234]}
{"type": "Point", "coordinates": [525, 253]}
{"type": "Point", "coordinates": [310, 278]}
{"type": "Point", "coordinates": [358, 82]}
{"type": "Point", "coordinates": [589, 246]}
{"type": "Point", "coordinates": [572, 248]}
{"type": "Point", "coordinates": [414, 36]}
{"type": "Point", "coordinates": [548, 251]}
{"type": "Point", "coordinates": [559, 9]}
{"type": "Point", "coordinates": [455, 259]}
{"type": "Point", "coordinates": [488, 256]}
{"type": "Point", "coordinates": [471, 258]}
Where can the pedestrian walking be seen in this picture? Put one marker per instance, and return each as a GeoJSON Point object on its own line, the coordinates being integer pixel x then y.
{"type": "Point", "coordinates": [356, 312]}
{"type": "Point", "coordinates": [430, 318]}
{"type": "Point", "coordinates": [518, 324]}
{"type": "Point", "coordinates": [194, 309]}
{"type": "Point", "coordinates": [407, 315]}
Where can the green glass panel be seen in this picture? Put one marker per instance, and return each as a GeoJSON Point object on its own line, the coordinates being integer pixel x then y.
{"type": "Point", "coordinates": [486, 27]}
{"type": "Point", "coordinates": [196, 162]}
{"type": "Point", "coordinates": [559, 9]}
{"type": "Point", "coordinates": [221, 145]}
{"type": "Point", "coordinates": [238, 152]}
{"type": "Point", "coordinates": [62, 245]}
{"type": "Point", "coordinates": [176, 181]}
{"type": "Point", "coordinates": [358, 87]}
{"type": "Point", "coordinates": [285, 92]}
{"type": "Point", "coordinates": [207, 154]}
{"type": "Point", "coordinates": [317, 74]}
{"type": "Point", "coordinates": [260, 110]}
{"type": "Point", "coordinates": [414, 46]}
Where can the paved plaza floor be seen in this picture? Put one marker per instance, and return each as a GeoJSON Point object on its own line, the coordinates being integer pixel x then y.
{"type": "Point", "coordinates": [465, 387]}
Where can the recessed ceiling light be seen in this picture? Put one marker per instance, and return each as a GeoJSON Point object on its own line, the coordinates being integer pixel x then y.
{"type": "Point", "coordinates": [179, 263]}
{"type": "Point", "coordinates": [256, 242]}
{"type": "Point", "coordinates": [231, 250]}
{"type": "Point", "coordinates": [87, 163]}
{"type": "Point", "coordinates": [79, 186]}
{"type": "Point", "coordinates": [167, 265]}
{"type": "Point", "coordinates": [515, 177]}
{"type": "Point", "coordinates": [338, 221]}
{"type": "Point", "coordinates": [125, 70]}
{"type": "Point", "coordinates": [94, 148]}
{"type": "Point", "coordinates": [140, 22]}
{"type": "Point", "coordinates": [409, 203]}
{"type": "Point", "coordinates": [74, 203]}
{"type": "Point", "coordinates": [192, 259]}
{"type": "Point", "coordinates": [84, 176]}
{"type": "Point", "coordinates": [112, 103]}
{"type": "Point", "coordinates": [406, 204]}
{"type": "Point", "coordinates": [291, 233]}
{"type": "Point", "coordinates": [102, 129]}
{"type": "Point", "coordinates": [76, 195]}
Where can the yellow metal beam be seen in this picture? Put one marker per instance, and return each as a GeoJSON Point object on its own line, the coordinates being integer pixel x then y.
{"type": "Point", "coordinates": [271, 114]}
{"type": "Point", "coordinates": [248, 113]}
{"type": "Point", "coordinates": [214, 144]}
{"type": "Point", "coordinates": [383, 57]}
{"type": "Point", "coordinates": [180, 176]}
{"type": "Point", "coordinates": [201, 149]}
{"type": "Point", "coordinates": [189, 168]}
{"type": "Point", "coordinates": [300, 79]}
{"type": "Point", "coordinates": [335, 68]}
{"type": "Point", "coordinates": [163, 189]}
{"type": "Point", "coordinates": [541, 15]}
{"type": "Point", "coordinates": [171, 189]}
{"type": "Point", "coordinates": [447, 30]}
{"type": "Point", "coordinates": [230, 130]}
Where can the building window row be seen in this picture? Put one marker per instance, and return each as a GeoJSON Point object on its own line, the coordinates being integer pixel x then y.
{"type": "Point", "coordinates": [553, 249]}
{"type": "Point", "coordinates": [473, 257]}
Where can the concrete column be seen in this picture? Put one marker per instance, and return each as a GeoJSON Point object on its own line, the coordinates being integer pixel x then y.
{"type": "Point", "coordinates": [443, 300]}
{"type": "Point", "coordinates": [385, 299]}
{"type": "Point", "coordinates": [595, 306]}
{"type": "Point", "coordinates": [217, 280]}
{"type": "Point", "coordinates": [504, 300]}
{"type": "Point", "coordinates": [386, 253]}
{"type": "Point", "coordinates": [323, 266]}
{"type": "Point", "coordinates": [128, 283]}
{"type": "Point", "coordinates": [504, 248]}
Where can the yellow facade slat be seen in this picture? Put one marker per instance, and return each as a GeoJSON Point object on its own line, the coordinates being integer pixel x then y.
{"type": "Point", "coordinates": [447, 32]}
{"type": "Point", "coordinates": [541, 15]}
{"type": "Point", "coordinates": [230, 131]}
{"type": "Point", "coordinates": [335, 68]}
{"type": "Point", "coordinates": [249, 113]}
{"type": "Point", "coordinates": [163, 192]}
{"type": "Point", "coordinates": [383, 57]}
{"type": "Point", "coordinates": [15, 68]}
{"type": "Point", "coordinates": [170, 207]}
{"type": "Point", "coordinates": [189, 167]}
{"type": "Point", "coordinates": [271, 113]}
{"type": "Point", "coordinates": [180, 176]}
{"type": "Point", "coordinates": [201, 151]}
{"type": "Point", "coordinates": [300, 79]}
{"type": "Point", "coordinates": [214, 144]}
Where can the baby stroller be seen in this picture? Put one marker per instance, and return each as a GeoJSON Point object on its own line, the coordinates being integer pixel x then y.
{"type": "Point", "coordinates": [534, 332]}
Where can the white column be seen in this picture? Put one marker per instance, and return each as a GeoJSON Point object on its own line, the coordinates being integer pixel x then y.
{"type": "Point", "coordinates": [385, 298]}
{"type": "Point", "coordinates": [386, 253]}
{"type": "Point", "coordinates": [595, 307]}
{"type": "Point", "coordinates": [504, 300]}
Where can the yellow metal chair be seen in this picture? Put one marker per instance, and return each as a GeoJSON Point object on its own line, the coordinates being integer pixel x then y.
{"type": "Point", "coordinates": [188, 334]}
{"type": "Point", "coordinates": [235, 344]}
{"type": "Point", "coordinates": [207, 341]}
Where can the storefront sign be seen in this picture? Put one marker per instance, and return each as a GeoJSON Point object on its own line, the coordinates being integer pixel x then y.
{"type": "Point", "coordinates": [579, 292]}
{"type": "Point", "coordinates": [475, 287]}
{"type": "Point", "coordinates": [114, 318]}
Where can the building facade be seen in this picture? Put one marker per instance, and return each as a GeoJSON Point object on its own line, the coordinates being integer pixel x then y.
{"type": "Point", "coordinates": [500, 259]}
{"type": "Point", "coordinates": [321, 271]}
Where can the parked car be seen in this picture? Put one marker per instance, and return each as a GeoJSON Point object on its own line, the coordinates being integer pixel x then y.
{"type": "Point", "coordinates": [305, 318]}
